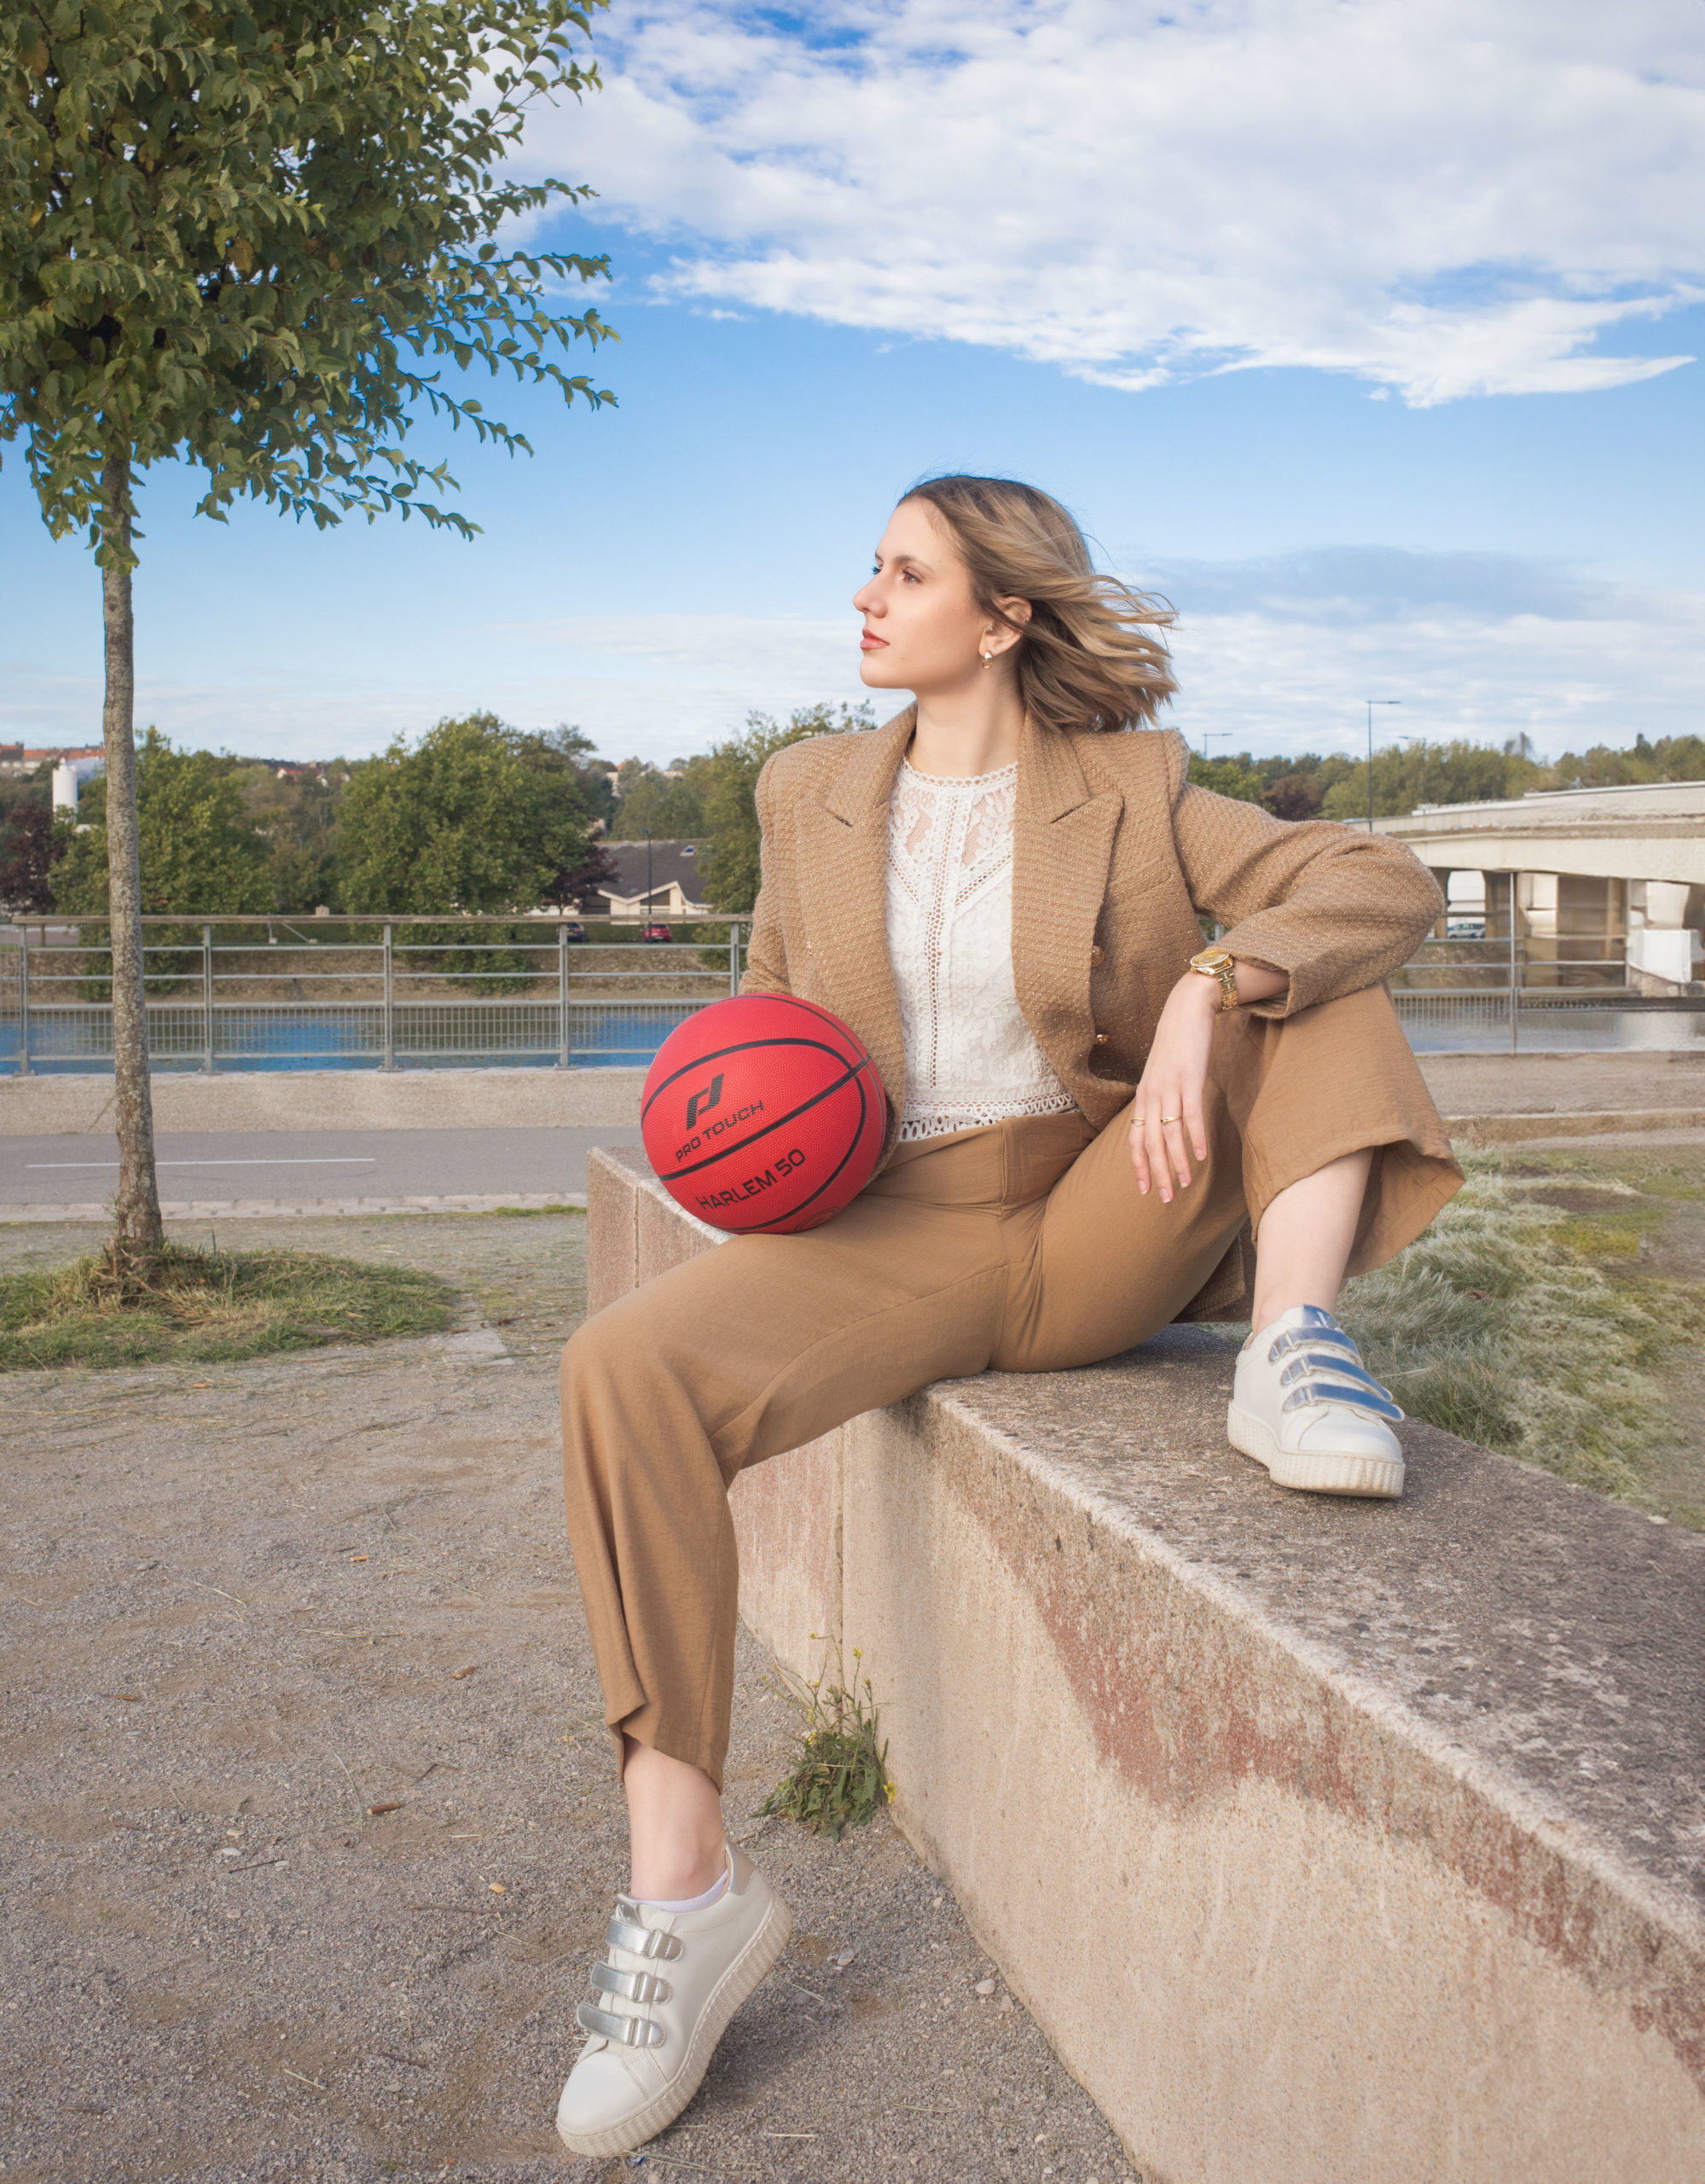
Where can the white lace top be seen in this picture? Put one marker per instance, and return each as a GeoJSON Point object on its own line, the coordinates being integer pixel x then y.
{"type": "Point", "coordinates": [971, 1058]}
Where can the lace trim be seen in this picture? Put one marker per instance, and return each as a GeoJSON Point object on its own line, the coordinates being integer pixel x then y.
{"type": "Point", "coordinates": [971, 1058]}
{"type": "Point", "coordinates": [939, 1118]}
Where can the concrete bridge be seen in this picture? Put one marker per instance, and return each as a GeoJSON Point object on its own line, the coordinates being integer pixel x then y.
{"type": "Point", "coordinates": [1610, 878]}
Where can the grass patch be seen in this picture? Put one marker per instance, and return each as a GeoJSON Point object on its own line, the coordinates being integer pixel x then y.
{"type": "Point", "coordinates": [205, 1308]}
{"type": "Point", "coordinates": [1498, 1326]}
{"type": "Point", "coordinates": [840, 1778]}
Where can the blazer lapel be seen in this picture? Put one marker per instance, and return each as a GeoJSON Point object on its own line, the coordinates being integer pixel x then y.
{"type": "Point", "coordinates": [1063, 835]}
{"type": "Point", "coordinates": [843, 877]}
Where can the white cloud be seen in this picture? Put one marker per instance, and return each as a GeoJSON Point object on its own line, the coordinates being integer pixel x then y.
{"type": "Point", "coordinates": [1275, 655]}
{"type": "Point", "coordinates": [1459, 198]}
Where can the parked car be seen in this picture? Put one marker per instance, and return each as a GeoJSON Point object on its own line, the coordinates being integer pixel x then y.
{"type": "Point", "coordinates": [572, 929]}
{"type": "Point", "coordinates": [656, 933]}
{"type": "Point", "coordinates": [1465, 928]}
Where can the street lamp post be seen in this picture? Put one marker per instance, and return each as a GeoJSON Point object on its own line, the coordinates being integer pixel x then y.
{"type": "Point", "coordinates": [648, 876]}
{"type": "Point", "coordinates": [1372, 703]}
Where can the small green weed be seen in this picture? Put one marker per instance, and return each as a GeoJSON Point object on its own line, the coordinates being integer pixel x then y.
{"type": "Point", "coordinates": [840, 1779]}
{"type": "Point", "coordinates": [204, 1307]}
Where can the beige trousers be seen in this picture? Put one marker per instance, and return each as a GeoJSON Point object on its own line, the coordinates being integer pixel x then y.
{"type": "Point", "coordinates": [1025, 1246]}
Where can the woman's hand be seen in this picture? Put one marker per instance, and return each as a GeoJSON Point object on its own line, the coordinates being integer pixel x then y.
{"type": "Point", "coordinates": [1168, 1121]}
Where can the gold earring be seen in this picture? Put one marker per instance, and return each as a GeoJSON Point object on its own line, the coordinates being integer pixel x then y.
{"type": "Point", "coordinates": [987, 657]}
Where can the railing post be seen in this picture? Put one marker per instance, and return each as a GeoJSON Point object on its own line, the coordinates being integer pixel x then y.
{"type": "Point", "coordinates": [734, 955]}
{"type": "Point", "coordinates": [207, 999]}
{"type": "Point", "coordinates": [389, 1003]}
{"type": "Point", "coordinates": [23, 1000]}
{"type": "Point", "coordinates": [1514, 965]}
{"type": "Point", "coordinates": [562, 997]}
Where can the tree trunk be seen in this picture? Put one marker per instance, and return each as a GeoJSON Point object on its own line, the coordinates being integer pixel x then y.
{"type": "Point", "coordinates": [137, 1205]}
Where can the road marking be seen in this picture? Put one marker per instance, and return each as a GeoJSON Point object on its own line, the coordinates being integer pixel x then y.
{"type": "Point", "coordinates": [283, 1160]}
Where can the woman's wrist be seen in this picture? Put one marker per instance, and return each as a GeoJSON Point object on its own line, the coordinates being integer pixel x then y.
{"type": "Point", "coordinates": [1194, 991]}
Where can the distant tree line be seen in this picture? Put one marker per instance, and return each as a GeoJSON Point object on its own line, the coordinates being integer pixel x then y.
{"type": "Point", "coordinates": [479, 817]}
{"type": "Point", "coordinates": [1418, 771]}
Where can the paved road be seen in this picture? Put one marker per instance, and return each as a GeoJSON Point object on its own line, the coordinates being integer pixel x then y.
{"type": "Point", "coordinates": [368, 1164]}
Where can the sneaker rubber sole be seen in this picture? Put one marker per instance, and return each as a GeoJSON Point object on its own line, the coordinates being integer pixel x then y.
{"type": "Point", "coordinates": [748, 1971]}
{"type": "Point", "coordinates": [1378, 1477]}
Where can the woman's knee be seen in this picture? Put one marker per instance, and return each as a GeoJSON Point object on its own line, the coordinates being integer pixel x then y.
{"type": "Point", "coordinates": [612, 1348]}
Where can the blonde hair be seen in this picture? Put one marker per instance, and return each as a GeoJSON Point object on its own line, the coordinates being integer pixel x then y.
{"type": "Point", "coordinates": [1091, 655]}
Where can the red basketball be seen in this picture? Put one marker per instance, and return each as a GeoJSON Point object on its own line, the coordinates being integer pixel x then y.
{"type": "Point", "coordinates": [763, 1114]}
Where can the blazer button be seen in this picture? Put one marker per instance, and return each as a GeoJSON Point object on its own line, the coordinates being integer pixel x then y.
{"type": "Point", "coordinates": [1100, 1038]}
{"type": "Point", "coordinates": [1098, 955]}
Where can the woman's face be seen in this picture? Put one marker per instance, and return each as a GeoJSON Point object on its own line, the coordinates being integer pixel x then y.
{"type": "Point", "coordinates": [924, 630]}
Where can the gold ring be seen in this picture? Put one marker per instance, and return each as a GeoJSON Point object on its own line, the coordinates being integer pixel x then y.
{"type": "Point", "coordinates": [1172, 1119]}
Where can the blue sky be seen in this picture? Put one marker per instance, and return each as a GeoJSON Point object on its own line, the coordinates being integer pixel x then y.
{"type": "Point", "coordinates": [1349, 325]}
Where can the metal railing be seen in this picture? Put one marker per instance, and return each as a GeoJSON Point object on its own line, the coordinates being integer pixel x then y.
{"type": "Point", "coordinates": [424, 994]}
{"type": "Point", "coordinates": [409, 993]}
{"type": "Point", "coordinates": [1541, 992]}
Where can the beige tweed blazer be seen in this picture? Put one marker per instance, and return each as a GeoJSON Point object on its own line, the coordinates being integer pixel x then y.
{"type": "Point", "coordinates": [1114, 855]}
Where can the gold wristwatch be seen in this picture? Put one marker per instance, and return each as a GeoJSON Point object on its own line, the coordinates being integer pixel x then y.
{"type": "Point", "coordinates": [1216, 963]}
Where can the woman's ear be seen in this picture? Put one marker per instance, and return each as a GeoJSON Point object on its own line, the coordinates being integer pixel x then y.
{"type": "Point", "coordinates": [998, 637]}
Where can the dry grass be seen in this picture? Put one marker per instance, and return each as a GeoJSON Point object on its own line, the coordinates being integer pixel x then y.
{"type": "Point", "coordinates": [207, 1307]}
{"type": "Point", "coordinates": [1498, 1326]}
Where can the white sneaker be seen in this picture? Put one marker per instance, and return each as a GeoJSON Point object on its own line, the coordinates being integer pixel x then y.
{"type": "Point", "coordinates": [662, 1993]}
{"type": "Point", "coordinates": [1305, 1406]}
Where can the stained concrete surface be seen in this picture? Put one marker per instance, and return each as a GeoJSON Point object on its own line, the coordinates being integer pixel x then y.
{"type": "Point", "coordinates": [245, 1605]}
{"type": "Point", "coordinates": [1557, 1637]}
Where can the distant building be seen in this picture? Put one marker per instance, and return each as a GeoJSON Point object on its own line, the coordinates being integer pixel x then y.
{"type": "Point", "coordinates": [24, 758]}
{"type": "Point", "coordinates": [674, 890]}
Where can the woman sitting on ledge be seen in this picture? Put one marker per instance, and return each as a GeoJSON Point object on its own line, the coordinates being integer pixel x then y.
{"type": "Point", "coordinates": [1090, 1115]}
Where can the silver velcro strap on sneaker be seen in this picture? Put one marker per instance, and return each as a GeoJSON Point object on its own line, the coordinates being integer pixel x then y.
{"type": "Point", "coordinates": [1371, 1398]}
{"type": "Point", "coordinates": [1303, 1338]}
{"type": "Point", "coordinates": [639, 1941]}
{"type": "Point", "coordinates": [1325, 1361]}
{"type": "Point", "coordinates": [631, 1986]}
{"type": "Point", "coordinates": [627, 2031]}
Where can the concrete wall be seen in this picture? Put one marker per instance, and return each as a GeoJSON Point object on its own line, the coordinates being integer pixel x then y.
{"type": "Point", "coordinates": [1326, 1840]}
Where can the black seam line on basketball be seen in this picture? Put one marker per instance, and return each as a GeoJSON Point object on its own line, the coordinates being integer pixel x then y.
{"type": "Point", "coordinates": [711, 1160]}
{"type": "Point", "coordinates": [762, 1227]}
{"type": "Point", "coordinates": [745, 1046]}
{"type": "Point", "coordinates": [858, 1138]}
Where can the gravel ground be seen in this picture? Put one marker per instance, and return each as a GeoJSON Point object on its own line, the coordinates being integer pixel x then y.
{"type": "Point", "coordinates": [246, 1606]}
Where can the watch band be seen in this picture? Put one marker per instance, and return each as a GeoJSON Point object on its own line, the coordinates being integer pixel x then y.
{"type": "Point", "coordinates": [1217, 964]}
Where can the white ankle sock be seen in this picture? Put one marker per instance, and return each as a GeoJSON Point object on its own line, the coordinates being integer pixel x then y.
{"type": "Point", "coordinates": [713, 1894]}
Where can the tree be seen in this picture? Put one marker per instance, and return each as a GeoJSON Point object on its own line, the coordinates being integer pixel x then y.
{"type": "Point", "coordinates": [1228, 777]}
{"type": "Point", "coordinates": [651, 803]}
{"type": "Point", "coordinates": [32, 840]}
{"type": "Point", "coordinates": [199, 853]}
{"type": "Point", "coordinates": [575, 889]}
{"type": "Point", "coordinates": [1295, 795]}
{"type": "Point", "coordinates": [475, 818]}
{"type": "Point", "coordinates": [730, 869]}
{"type": "Point", "coordinates": [1428, 773]}
{"type": "Point", "coordinates": [296, 813]}
{"type": "Point", "coordinates": [251, 234]}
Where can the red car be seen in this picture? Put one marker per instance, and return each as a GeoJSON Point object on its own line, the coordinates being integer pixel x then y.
{"type": "Point", "coordinates": [656, 932]}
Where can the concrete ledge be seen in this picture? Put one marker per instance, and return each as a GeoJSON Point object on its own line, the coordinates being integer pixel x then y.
{"type": "Point", "coordinates": [333, 1099]}
{"type": "Point", "coordinates": [1326, 1840]}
